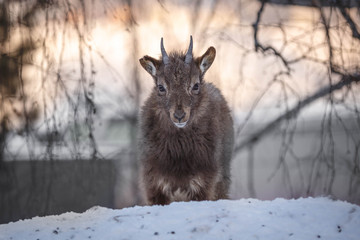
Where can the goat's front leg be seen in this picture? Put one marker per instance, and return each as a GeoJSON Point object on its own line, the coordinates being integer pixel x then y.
{"type": "Point", "coordinates": [157, 197]}
{"type": "Point", "coordinates": [205, 192]}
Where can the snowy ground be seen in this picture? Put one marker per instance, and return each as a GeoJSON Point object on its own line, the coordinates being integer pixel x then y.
{"type": "Point", "coordinates": [310, 218]}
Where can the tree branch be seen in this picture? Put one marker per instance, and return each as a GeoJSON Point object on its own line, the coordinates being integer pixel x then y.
{"type": "Point", "coordinates": [346, 80]}
{"type": "Point", "coordinates": [258, 45]}
{"type": "Point", "coordinates": [347, 17]}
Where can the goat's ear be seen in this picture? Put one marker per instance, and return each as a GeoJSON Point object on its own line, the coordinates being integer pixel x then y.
{"type": "Point", "coordinates": [151, 65]}
{"type": "Point", "coordinates": [205, 61]}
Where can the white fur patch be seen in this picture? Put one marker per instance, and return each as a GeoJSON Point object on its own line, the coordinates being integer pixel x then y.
{"type": "Point", "coordinates": [204, 64]}
{"type": "Point", "coordinates": [180, 125]}
{"type": "Point", "coordinates": [196, 185]}
{"type": "Point", "coordinates": [153, 68]}
{"type": "Point", "coordinates": [164, 185]}
{"type": "Point", "coordinates": [179, 195]}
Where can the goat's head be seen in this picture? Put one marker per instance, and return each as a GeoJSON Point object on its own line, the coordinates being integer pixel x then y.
{"type": "Point", "coordinates": [178, 81]}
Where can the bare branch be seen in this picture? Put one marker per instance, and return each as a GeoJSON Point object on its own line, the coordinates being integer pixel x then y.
{"type": "Point", "coordinates": [345, 14]}
{"type": "Point", "coordinates": [263, 48]}
{"type": "Point", "coordinates": [346, 80]}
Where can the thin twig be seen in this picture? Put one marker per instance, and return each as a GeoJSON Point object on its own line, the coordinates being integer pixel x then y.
{"type": "Point", "coordinates": [345, 81]}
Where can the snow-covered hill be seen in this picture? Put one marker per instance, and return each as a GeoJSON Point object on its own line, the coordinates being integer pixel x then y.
{"type": "Point", "coordinates": [310, 218]}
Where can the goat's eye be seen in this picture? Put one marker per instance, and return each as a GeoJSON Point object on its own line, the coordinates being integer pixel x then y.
{"type": "Point", "coordinates": [161, 88]}
{"type": "Point", "coordinates": [195, 87]}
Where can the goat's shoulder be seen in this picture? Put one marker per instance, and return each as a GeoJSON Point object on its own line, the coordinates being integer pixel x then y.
{"type": "Point", "coordinates": [214, 94]}
{"type": "Point", "coordinates": [216, 100]}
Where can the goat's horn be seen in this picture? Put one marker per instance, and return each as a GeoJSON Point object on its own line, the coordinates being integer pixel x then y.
{"type": "Point", "coordinates": [165, 57]}
{"type": "Point", "coordinates": [189, 56]}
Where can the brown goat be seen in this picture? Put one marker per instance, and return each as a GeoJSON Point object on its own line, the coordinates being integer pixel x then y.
{"type": "Point", "coordinates": [186, 131]}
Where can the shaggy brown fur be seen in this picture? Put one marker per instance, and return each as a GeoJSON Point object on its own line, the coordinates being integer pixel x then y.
{"type": "Point", "coordinates": [186, 132]}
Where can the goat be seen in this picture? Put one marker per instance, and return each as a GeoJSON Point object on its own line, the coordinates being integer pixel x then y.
{"type": "Point", "coordinates": [186, 131]}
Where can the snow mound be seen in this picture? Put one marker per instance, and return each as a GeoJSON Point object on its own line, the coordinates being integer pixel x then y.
{"type": "Point", "coordinates": [309, 218]}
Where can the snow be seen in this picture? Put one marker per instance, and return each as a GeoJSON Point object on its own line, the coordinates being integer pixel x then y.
{"type": "Point", "coordinates": [305, 218]}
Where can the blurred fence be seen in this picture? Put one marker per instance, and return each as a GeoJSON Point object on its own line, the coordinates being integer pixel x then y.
{"type": "Point", "coordinates": [40, 188]}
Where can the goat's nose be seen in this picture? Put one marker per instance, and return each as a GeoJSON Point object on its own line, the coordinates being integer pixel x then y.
{"type": "Point", "coordinates": [179, 114]}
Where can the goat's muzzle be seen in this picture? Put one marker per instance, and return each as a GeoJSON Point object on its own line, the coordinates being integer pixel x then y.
{"type": "Point", "coordinates": [180, 116]}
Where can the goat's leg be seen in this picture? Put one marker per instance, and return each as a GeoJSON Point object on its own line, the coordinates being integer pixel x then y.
{"type": "Point", "coordinates": [156, 197]}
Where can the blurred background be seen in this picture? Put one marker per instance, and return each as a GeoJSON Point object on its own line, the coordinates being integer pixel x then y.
{"type": "Point", "coordinates": [71, 88]}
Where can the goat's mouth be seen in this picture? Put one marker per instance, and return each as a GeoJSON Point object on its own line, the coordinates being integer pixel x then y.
{"type": "Point", "coordinates": [180, 125]}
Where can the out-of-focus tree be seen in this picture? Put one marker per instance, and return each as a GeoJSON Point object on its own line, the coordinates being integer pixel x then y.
{"type": "Point", "coordinates": [331, 42]}
{"type": "Point", "coordinates": [16, 111]}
